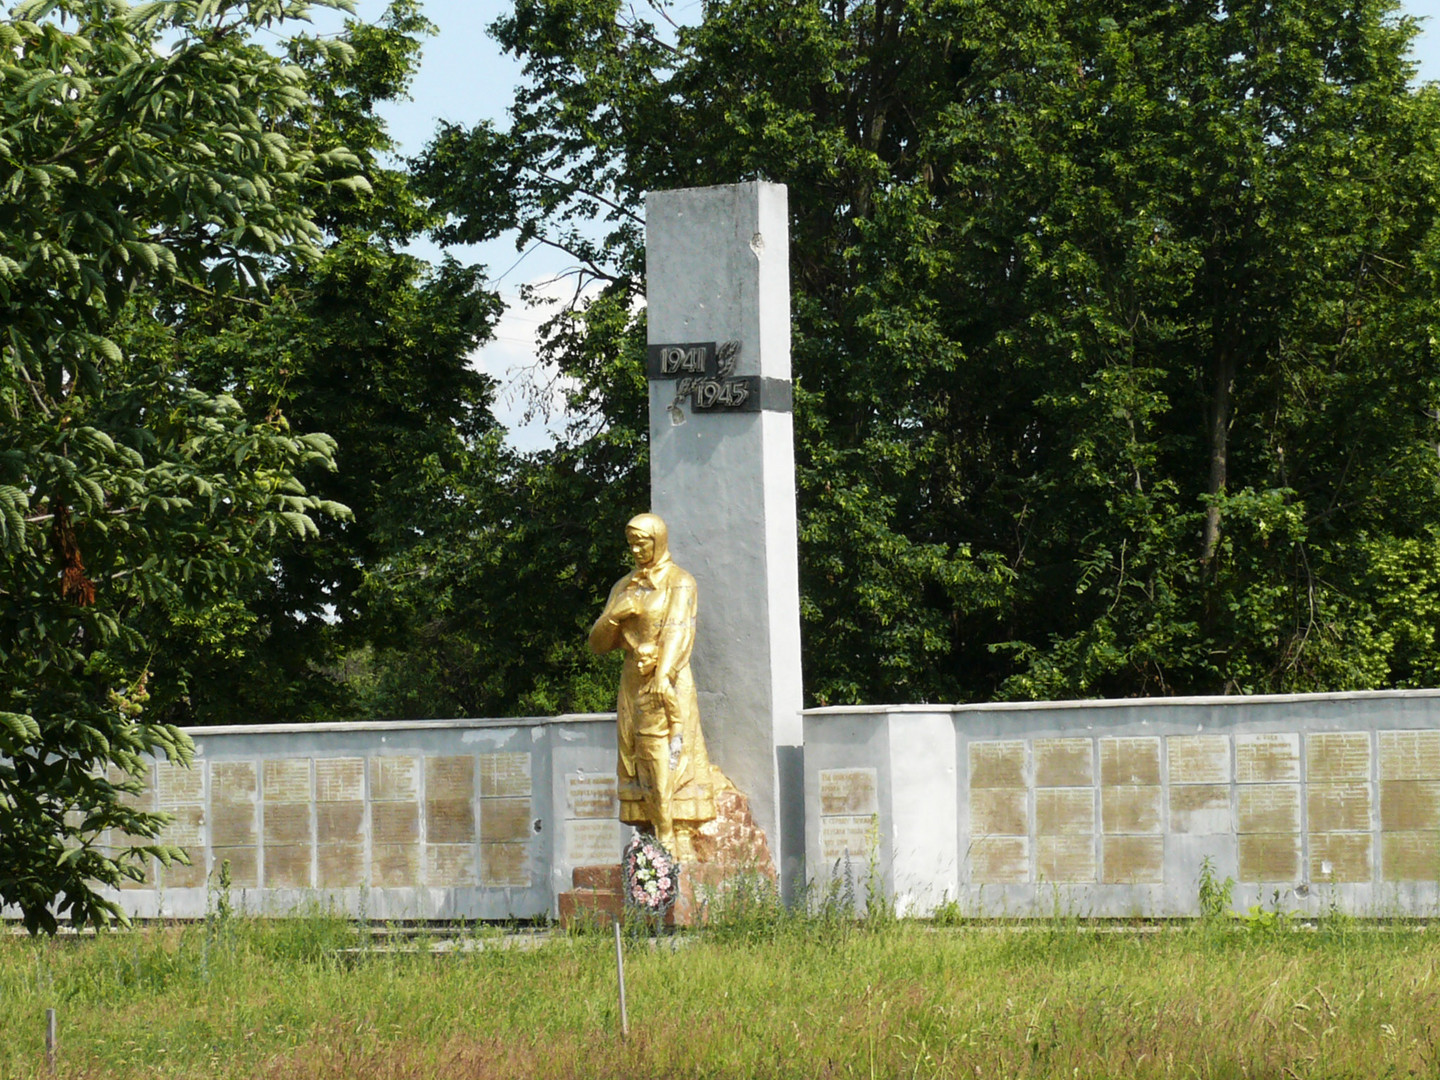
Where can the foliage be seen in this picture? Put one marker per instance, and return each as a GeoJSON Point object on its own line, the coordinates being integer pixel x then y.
{"type": "Point", "coordinates": [1215, 896]}
{"type": "Point", "coordinates": [1114, 327]}
{"type": "Point", "coordinates": [140, 149]}
{"type": "Point", "coordinates": [372, 345]}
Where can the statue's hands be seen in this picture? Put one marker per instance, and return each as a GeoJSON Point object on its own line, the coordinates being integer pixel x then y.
{"type": "Point", "coordinates": [624, 607]}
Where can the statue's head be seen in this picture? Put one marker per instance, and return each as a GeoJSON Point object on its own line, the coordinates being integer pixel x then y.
{"type": "Point", "coordinates": [648, 539]}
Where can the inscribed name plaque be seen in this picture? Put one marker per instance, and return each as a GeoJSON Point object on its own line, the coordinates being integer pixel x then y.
{"type": "Point", "coordinates": [504, 775]}
{"type": "Point", "coordinates": [592, 795]}
{"type": "Point", "coordinates": [1263, 758]}
{"type": "Point", "coordinates": [848, 791]}
{"type": "Point", "coordinates": [847, 836]}
{"type": "Point", "coordinates": [593, 842]}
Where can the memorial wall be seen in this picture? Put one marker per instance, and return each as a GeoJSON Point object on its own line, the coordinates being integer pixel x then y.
{"type": "Point", "coordinates": [1110, 808]}
{"type": "Point", "coordinates": [464, 819]}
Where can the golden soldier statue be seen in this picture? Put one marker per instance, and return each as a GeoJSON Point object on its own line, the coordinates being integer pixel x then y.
{"type": "Point", "coordinates": [667, 783]}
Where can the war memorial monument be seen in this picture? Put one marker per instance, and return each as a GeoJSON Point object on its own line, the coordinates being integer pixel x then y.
{"type": "Point", "coordinates": [1103, 808]}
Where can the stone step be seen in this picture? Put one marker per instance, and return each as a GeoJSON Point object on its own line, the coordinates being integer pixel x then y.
{"type": "Point", "coordinates": [603, 906]}
{"type": "Point", "coordinates": [597, 877]}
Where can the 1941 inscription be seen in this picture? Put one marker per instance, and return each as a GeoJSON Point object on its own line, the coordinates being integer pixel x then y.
{"type": "Point", "coordinates": [705, 374]}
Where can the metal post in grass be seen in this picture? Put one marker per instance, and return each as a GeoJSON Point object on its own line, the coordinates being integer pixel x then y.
{"type": "Point", "coordinates": [50, 1039]}
{"type": "Point", "coordinates": [620, 978]}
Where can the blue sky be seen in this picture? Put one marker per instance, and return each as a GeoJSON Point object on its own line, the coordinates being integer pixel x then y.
{"type": "Point", "coordinates": [464, 78]}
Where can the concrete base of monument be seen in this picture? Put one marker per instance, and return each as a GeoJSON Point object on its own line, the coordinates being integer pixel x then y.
{"type": "Point", "coordinates": [728, 850]}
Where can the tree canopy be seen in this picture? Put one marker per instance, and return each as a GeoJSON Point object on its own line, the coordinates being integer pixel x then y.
{"type": "Point", "coordinates": [154, 162]}
{"type": "Point", "coordinates": [1114, 326]}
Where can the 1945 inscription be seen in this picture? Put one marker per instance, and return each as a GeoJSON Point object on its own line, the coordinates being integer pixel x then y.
{"type": "Point", "coordinates": [705, 374]}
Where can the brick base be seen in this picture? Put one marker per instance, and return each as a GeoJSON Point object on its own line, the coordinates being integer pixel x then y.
{"type": "Point", "coordinates": [730, 845]}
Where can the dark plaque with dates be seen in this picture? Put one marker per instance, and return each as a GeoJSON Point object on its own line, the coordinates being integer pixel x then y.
{"type": "Point", "coordinates": [704, 374]}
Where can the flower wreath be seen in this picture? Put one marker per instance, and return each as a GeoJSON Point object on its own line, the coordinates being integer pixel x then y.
{"type": "Point", "coordinates": [651, 875]}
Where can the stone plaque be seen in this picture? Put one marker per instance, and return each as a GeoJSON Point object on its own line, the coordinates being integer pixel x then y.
{"type": "Point", "coordinates": [287, 867]}
{"type": "Point", "coordinates": [1065, 859]}
{"type": "Point", "coordinates": [1133, 860]}
{"type": "Point", "coordinates": [848, 791]}
{"type": "Point", "coordinates": [1410, 755]}
{"type": "Point", "coordinates": [1064, 762]}
{"type": "Point", "coordinates": [1198, 759]}
{"type": "Point", "coordinates": [395, 823]}
{"type": "Point", "coordinates": [1268, 808]}
{"type": "Point", "coordinates": [1269, 857]}
{"type": "Point", "coordinates": [146, 882]}
{"type": "Point", "coordinates": [591, 795]}
{"type": "Point", "coordinates": [395, 866]}
{"type": "Point", "coordinates": [394, 779]}
{"type": "Point", "coordinates": [997, 764]}
{"type": "Point", "coordinates": [1340, 857]}
{"type": "Point", "coordinates": [450, 865]}
{"type": "Point", "coordinates": [1410, 856]}
{"type": "Point", "coordinates": [178, 784]}
{"type": "Point", "coordinates": [1130, 761]}
{"type": "Point", "coordinates": [340, 866]}
{"type": "Point", "coordinates": [594, 842]}
{"type": "Point", "coordinates": [1000, 860]}
{"type": "Point", "coordinates": [450, 821]}
{"type": "Point", "coordinates": [180, 876]}
{"type": "Point", "coordinates": [186, 828]}
{"type": "Point", "coordinates": [1200, 809]}
{"type": "Point", "coordinates": [852, 836]}
{"type": "Point", "coordinates": [233, 782]}
{"type": "Point", "coordinates": [1261, 759]}
{"type": "Point", "coordinates": [339, 779]}
{"type": "Point", "coordinates": [287, 781]}
{"type": "Point", "coordinates": [287, 823]}
{"type": "Point", "coordinates": [339, 822]}
{"type": "Point", "coordinates": [505, 866]}
{"type": "Point", "coordinates": [505, 776]}
{"type": "Point", "coordinates": [505, 820]}
{"type": "Point", "coordinates": [450, 778]}
{"type": "Point", "coordinates": [143, 801]}
{"type": "Point", "coordinates": [1407, 805]}
{"type": "Point", "coordinates": [1065, 812]}
{"type": "Point", "coordinates": [232, 824]}
{"type": "Point", "coordinates": [1125, 810]}
{"type": "Point", "coordinates": [1340, 755]}
{"type": "Point", "coordinates": [243, 867]}
{"type": "Point", "coordinates": [1337, 807]}
{"type": "Point", "coordinates": [998, 812]}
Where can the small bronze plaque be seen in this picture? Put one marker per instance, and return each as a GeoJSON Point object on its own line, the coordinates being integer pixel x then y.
{"type": "Point", "coordinates": [395, 866]}
{"type": "Point", "coordinates": [1337, 807]}
{"type": "Point", "coordinates": [998, 812]}
{"type": "Point", "coordinates": [1130, 761]}
{"type": "Point", "coordinates": [1064, 762]}
{"type": "Point", "coordinates": [504, 820]}
{"type": "Point", "coordinates": [287, 781]}
{"type": "Point", "coordinates": [1065, 812]}
{"type": "Point", "coordinates": [997, 764]}
{"type": "Point", "coordinates": [1410, 755]}
{"type": "Point", "coordinates": [450, 821]}
{"type": "Point", "coordinates": [1133, 860]}
{"type": "Point", "coordinates": [1000, 860]}
{"type": "Point", "coordinates": [339, 779]}
{"type": "Point", "coordinates": [848, 791]}
{"type": "Point", "coordinates": [505, 866]}
{"type": "Point", "coordinates": [1268, 808]}
{"type": "Point", "coordinates": [1261, 759]}
{"type": "Point", "coordinates": [1200, 809]}
{"type": "Point", "coordinates": [1065, 859]}
{"type": "Point", "coordinates": [1127, 810]}
{"type": "Point", "coordinates": [1198, 759]}
{"type": "Point", "coordinates": [1340, 857]}
{"type": "Point", "coordinates": [287, 867]}
{"type": "Point", "coordinates": [1337, 755]}
{"type": "Point", "coordinates": [394, 779]}
{"type": "Point", "coordinates": [395, 823]}
{"type": "Point", "coordinates": [287, 823]}
{"type": "Point", "coordinates": [1269, 857]}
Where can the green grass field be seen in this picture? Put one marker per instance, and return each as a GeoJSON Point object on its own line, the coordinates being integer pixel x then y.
{"type": "Point", "coordinates": [760, 998]}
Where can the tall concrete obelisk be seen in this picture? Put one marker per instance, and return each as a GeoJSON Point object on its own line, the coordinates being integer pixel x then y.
{"type": "Point", "coordinates": [722, 475]}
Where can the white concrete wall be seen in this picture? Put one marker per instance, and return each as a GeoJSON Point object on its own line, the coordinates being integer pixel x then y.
{"type": "Point", "coordinates": [1109, 808]}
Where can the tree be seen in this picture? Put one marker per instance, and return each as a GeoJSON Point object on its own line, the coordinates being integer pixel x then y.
{"type": "Point", "coordinates": [140, 149]}
{"type": "Point", "coordinates": [1113, 326]}
{"type": "Point", "coordinates": [371, 345]}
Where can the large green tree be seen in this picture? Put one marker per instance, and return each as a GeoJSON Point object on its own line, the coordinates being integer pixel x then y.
{"type": "Point", "coordinates": [1114, 324]}
{"type": "Point", "coordinates": [142, 150]}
